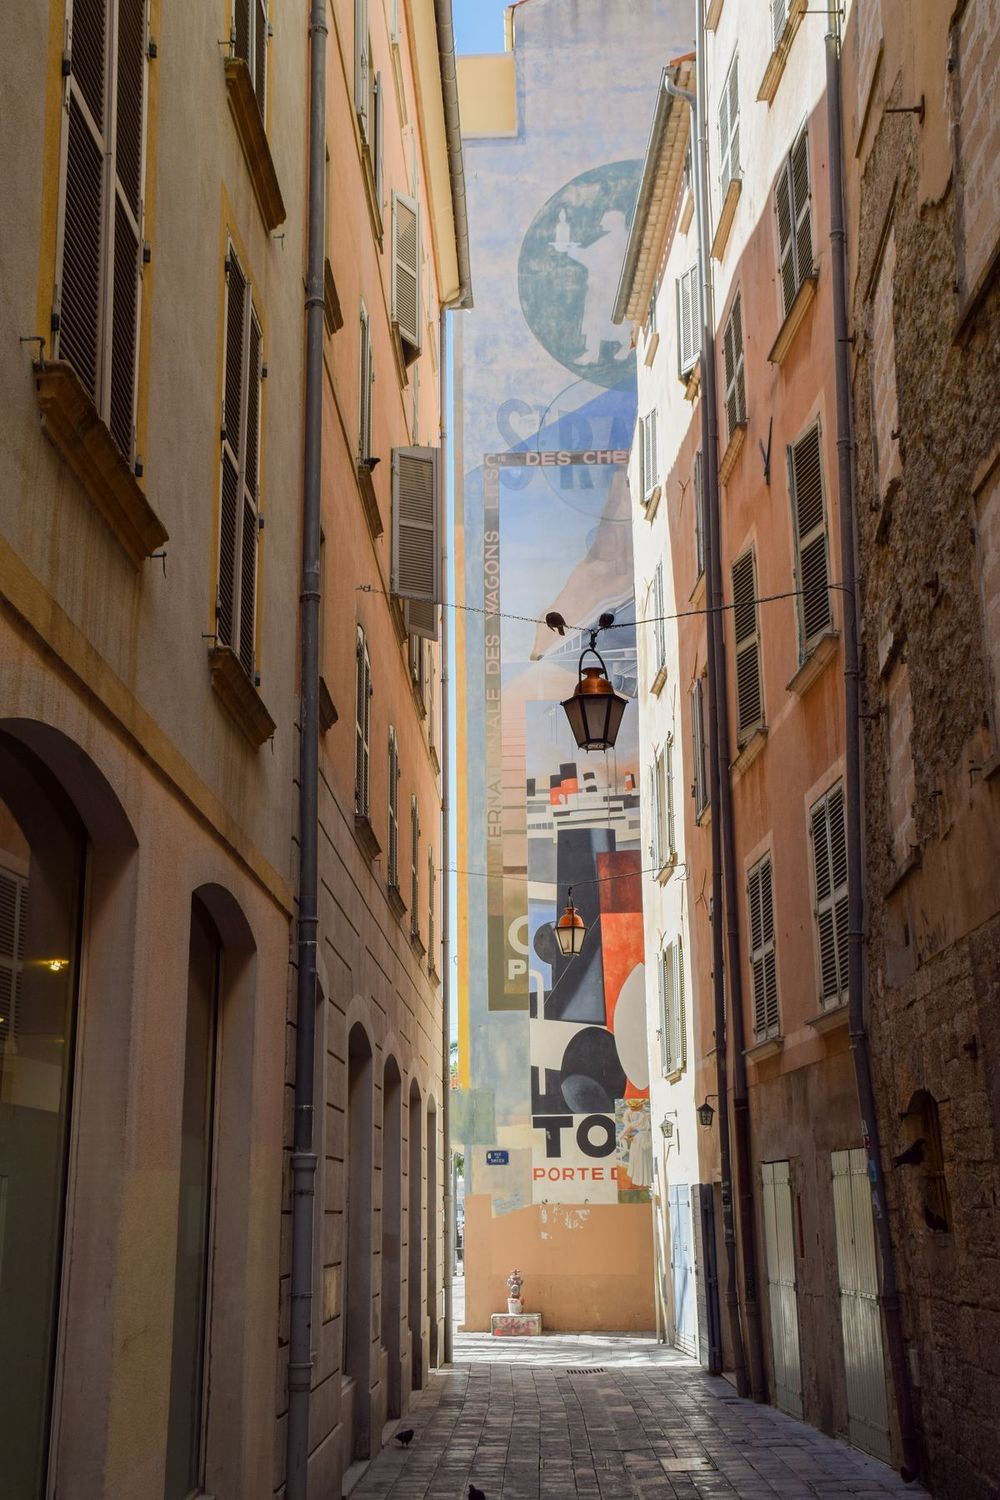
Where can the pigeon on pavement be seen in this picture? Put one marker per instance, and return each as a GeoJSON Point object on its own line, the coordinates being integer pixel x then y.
{"type": "Point", "coordinates": [404, 1438]}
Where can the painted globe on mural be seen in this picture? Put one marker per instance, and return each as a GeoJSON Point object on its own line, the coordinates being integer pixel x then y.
{"type": "Point", "coordinates": [568, 270]}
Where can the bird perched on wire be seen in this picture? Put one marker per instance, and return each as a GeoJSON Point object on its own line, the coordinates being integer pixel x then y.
{"type": "Point", "coordinates": [475, 1493]}
{"type": "Point", "coordinates": [404, 1438]}
{"type": "Point", "coordinates": [555, 621]}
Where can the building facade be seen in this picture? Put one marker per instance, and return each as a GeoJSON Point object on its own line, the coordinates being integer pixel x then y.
{"type": "Point", "coordinates": [391, 267]}
{"type": "Point", "coordinates": [923, 195]}
{"type": "Point", "coordinates": [151, 472]}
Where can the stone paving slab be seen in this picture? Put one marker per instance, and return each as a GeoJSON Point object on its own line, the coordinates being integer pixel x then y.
{"type": "Point", "coordinates": [520, 1422]}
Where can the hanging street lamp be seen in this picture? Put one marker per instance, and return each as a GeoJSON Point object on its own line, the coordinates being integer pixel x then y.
{"type": "Point", "coordinates": [595, 710]}
{"type": "Point", "coordinates": [570, 929]}
{"type": "Point", "coordinates": [706, 1114]}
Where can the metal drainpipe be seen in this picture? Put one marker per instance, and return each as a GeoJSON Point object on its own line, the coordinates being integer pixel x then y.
{"type": "Point", "coordinates": [709, 437]}
{"type": "Point", "coordinates": [303, 1155]}
{"type": "Point", "coordinates": [909, 1440]}
{"type": "Point", "coordinates": [448, 1175]}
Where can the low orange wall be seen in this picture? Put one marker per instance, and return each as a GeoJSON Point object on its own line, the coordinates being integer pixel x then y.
{"type": "Point", "coordinates": [585, 1268]}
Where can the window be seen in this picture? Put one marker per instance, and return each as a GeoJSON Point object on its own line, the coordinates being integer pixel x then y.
{"type": "Point", "coordinates": [698, 737]}
{"type": "Point", "coordinates": [362, 727]}
{"type": "Point", "coordinates": [659, 620]}
{"type": "Point", "coordinates": [699, 514]}
{"type": "Point", "coordinates": [647, 457]}
{"type": "Point", "coordinates": [651, 314]}
{"type": "Point", "coordinates": [362, 66]}
{"type": "Point", "coordinates": [406, 273]}
{"type": "Point", "coordinates": [829, 849]}
{"type": "Point", "coordinates": [415, 573]}
{"type": "Point", "coordinates": [749, 695]}
{"type": "Point", "coordinates": [393, 857]}
{"type": "Point", "coordinates": [431, 892]}
{"type": "Point", "coordinates": [805, 470]}
{"type": "Point", "coordinates": [662, 848]}
{"type": "Point", "coordinates": [239, 509]}
{"type": "Point", "coordinates": [901, 784]}
{"type": "Point", "coordinates": [95, 315]}
{"type": "Point", "coordinates": [414, 868]}
{"type": "Point", "coordinates": [732, 354]}
{"type": "Point", "coordinates": [795, 256]}
{"type": "Point", "coordinates": [673, 1016]}
{"type": "Point", "coordinates": [415, 654]}
{"type": "Point", "coordinates": [366, 389]}
{"type": "Point", "coordinates": [688, 320]}
{"type": "Point", "coordinates": [431, 701]}
{"type": "Point", "coordinates": [729, 128]}
{"type": "Point", "coordinates": [763, 973]}
{"type": "Point", "coordinates": [249, 40]}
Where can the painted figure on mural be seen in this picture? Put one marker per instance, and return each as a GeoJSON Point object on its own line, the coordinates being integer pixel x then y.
{"type": "Point", "coordinates": [602, 260]}
{"type": "Point", "coordinates": [637, 1134]}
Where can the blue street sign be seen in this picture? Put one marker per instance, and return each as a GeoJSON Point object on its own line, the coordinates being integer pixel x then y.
{"type": "Point", "coordinates": [497, 1158]}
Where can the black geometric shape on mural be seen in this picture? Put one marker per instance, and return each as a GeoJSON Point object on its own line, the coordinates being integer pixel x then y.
{"type": "Point", "coordinates": [545, 945]}
{"type": "Point", "coordinates": [577, 992]}
{"type": "Point", "coordinates": [552, 1101]}
{"type": "Point", "coordinates": [592, 1075]}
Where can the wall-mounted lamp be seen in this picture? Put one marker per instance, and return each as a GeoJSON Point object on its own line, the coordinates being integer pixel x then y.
{"type": "Point", "coordinates": [56, 964]}
{"type": "Point", "coordinates": [706, 1114]}
{"type": "Point", "coordinates": [667, 1125]}
{"type": "Point", "coordinates": [595, 710]}
{"type": "Point", "coordinates": [570, 929]}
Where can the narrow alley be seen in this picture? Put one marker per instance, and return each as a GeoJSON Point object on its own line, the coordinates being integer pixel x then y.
{"type": "Point", "coordinates": [614, 1416]}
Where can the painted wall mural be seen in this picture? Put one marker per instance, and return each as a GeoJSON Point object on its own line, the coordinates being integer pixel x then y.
{"type": "Point", "coordinates": [554, 1066]}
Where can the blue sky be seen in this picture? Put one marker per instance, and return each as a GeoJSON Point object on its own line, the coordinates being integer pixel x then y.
{"type": "Point", "coordinates": [479, 25]}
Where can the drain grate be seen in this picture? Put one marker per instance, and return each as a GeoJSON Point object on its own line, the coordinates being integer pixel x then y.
{"type": "Point", "coordinates": [589, 1370]}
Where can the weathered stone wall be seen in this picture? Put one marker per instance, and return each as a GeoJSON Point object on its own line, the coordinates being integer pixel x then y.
{"type": "Point", "coordinates": [933, 908]}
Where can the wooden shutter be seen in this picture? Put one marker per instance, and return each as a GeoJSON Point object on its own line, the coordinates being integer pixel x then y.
{"type": "Point", "coordinates": [779, 16]}
{"type": "Point", "coordinates": [664, 982]}
{"type": "Point", "coordinates": [762, 960]}
{"type": "Point", "coordinates": [729, 128]}
{"type": "Point", "coordinates": [416, 552]}
{"type": "Point", "coordinates": [655, 850]}
{"type": "Point", "coordinates": [393, 853]}
{"type": "Point", "coordinates": [239, 509]}
{"type": "Point", "coordinates": [394, 32]}
{"type": "Point", "coordinates": [96, 313]}
{"type": "Point", "coordinates": [251, 496]}
{"type": "Point", "coordinates": [361, 65]}
{"type": "Point", "coordinates": [431, 877]}
{"type": "Point", "coordinates": [678, 1010]}
{"type": "Point", "coordinates": [414, 868]}
{"type": "Point", "coordinates": [406, 269]}
{"type": "Point", "coordinates": [366, 381]}
{"type": "Point", "coordinates": [699, 514]}
{"type": "Point", "coordinates": [829, 842]}
{"type": "Point", "coordinates": [749, 699]}
{"type": "Point", "coordinates": [654, 472]}
{"type": "Point", "coordinates": [378, 115]}
{"type": "Point", "coordinates": [809, 519]}
{"type": "Point", "coordinates": [659, 610]}
{"type": "Point", "coordinates": [13, 901]}
{"type": "Point", "coordinates": [698, 735]}
{"type": "Point", "coordinates": [668, 780]}
{"type": "Point", "coordinates": [688, 319]}
{"type": "Point", "coordinates": [786, 236]}
{"type": "Point", "coordinates": [732, 350]}
{"type": "Point", "coordinates": [260, 54]}
{"type": "Point", "coordinates": [640, 440]}
{"type": "Point", "coordinates": [362, 725]}
{"type": "Point", "coordinates": [799, 182]}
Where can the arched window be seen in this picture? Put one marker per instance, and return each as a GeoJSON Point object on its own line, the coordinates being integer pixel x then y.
{"type": "Point", "coordinates": [925, 1156]}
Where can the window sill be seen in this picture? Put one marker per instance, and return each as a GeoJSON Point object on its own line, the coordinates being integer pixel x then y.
{"type": "Point", "coordinates": [901, 872]}
{"type": "Point", "coordinates": [369, 500]}
{"type": "Point", "coordinates": [433, 975]}
{"type": "Point", "coordinates": [435, 760]}
{"type": "Point", "coordinates": [750, 751]}
{"type": "Point", "coordinates": [714, 12]}
{"type": "Point", "coordinates": [829, 1020]}
{"type": "Point", "coordinates": [71, 423]}
{"type": "Point", "coordinates": [396, 903]}
{"type": "Point", "coordinates": [253, 140]}
{"type": "Point", "coordinates": [768, 1046]}
{"type": "Point", "coordinates": [239, 696]}
{"type": "Point", "coordinates": [374, 206]}
{"type": "Point", "coordinates": [365, 835]}
{"type": "Point", "coordinates": [328, 714]}
{"type": "Point", "coordinates": [673, 1076]}
{"type": "Point", "coordinates": [418, 700]}
{"type": "Point", "coordinates": [333, 316]}
{"type": "Point", "coordinates": [656, 686]}
{"type": "Point", "coordinates": [819, 657]}
{"type": "Point", "coordinates": [692, 383]}
{"type": "Point", "coordinates": [417, 945]}
{"type": "Point", "coordinates": [697, 594]}
{"type": "Point", "coordinates": [687, 213]}
{"type": "Point", "coordinates": [665, 871]}
{"type": "Point", "coordinates": [801, 303]}
{"type": "Point", "coordinates": [704, 818]}
{"type": "Point", "coordinates": [732, 453]}
{"type": "Point", "coordinates": [652, 344]}
{"type": "Point", "coordinates": [651, 501]}
{"type": "Point", "coordinates": [727, 214]}
{"type": "Point", "coordinates": [779, 57]}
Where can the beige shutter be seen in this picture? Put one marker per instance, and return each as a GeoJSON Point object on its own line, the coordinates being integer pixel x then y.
{"type": "Point", "coordinates": [809, 517]}
{"type": "Point", "coordinates": [749, 698]}
{"type": "Point", "coordinates": [732, 350]}
{"type": "Point", "coordinates": [688, 319]}
{"type": "Point", "coordinates": [362, 725]}
{"type": "Point", "coordinates": [655, 851]}
{"type": "Point", "coordinates": [799, 182]}
{"type": "Point", "coordinates": [659, 610]}
{"type": "Point", "coordinates": [431, 878]}
{"type": "Point", "coordinates": [361, 64]}
{"type": "Point", "coordinates": [406, 270]}
{"type": "Point", "coordinates": [416, 553]}
{"type": "Point", "coordinates": [230, 520]}
{"type": "Point", "coordinates": [668, 774]}
{"type": "Point", "coordinates": [699, 514]}
{"type": "Point", "coordinates": [640, 441]}
{"type": "Point", "coordinates": [366, 381]}
{"type": "Point", "coordinates": [762, 959]}
{"type": "Point", "coordinates": [251, 496]}
{"type": "Point", "coordinates": [663, 972]}
{"type": "Point", "coordinates": [698, 737]}
{"type": "Point", "coordinates": [130, 75]}
{"type": "Point", "coordinates": [393, 855]}
{"type": "Point", "coordinates": [679, 1015]}
{"type": "Point", "coordinates": [729, 128]}
{"type": "Point", "coordinates": [829, 843]}
{"type": "Point", "coordinates": [786, 236]}
{"type": "Point", "coordinates": [378, 113]}
{"type": "Point", "coordinates": [414, 867]}
{"type": "Point", "coordinates": [260, 54]}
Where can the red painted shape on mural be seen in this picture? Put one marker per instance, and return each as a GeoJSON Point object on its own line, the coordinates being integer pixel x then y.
{"type": "Point", "coordinates": [620, 893]}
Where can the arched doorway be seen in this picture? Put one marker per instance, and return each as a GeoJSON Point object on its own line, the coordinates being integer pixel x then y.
{"type": "Point", "coordinates": [433, 1221]}
{"type": "Point", "coordinates": [414, 1230]}
{"type": "Point", "coordinates": [391, 1230]}
{"type": "Point", "coordinates": [43, 856]}
{"type": "Point", "coordinates": [358, 1280]}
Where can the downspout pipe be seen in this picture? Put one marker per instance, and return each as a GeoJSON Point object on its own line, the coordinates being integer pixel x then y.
{"type": "Point", "coordinates": [456, 162]}
{"type": "Point", "coordinates": [709, 439]}
{"type": "Point", "coordinates": [891, 1307]}
{"type": "Point", "coordinates": [303, 1154]}
{"type": "Point", "coordinates": [448, 1175]}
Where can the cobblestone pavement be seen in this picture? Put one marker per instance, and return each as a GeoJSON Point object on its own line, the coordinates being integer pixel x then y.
{"type": "Point", "coordinates": [522, 1422]}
